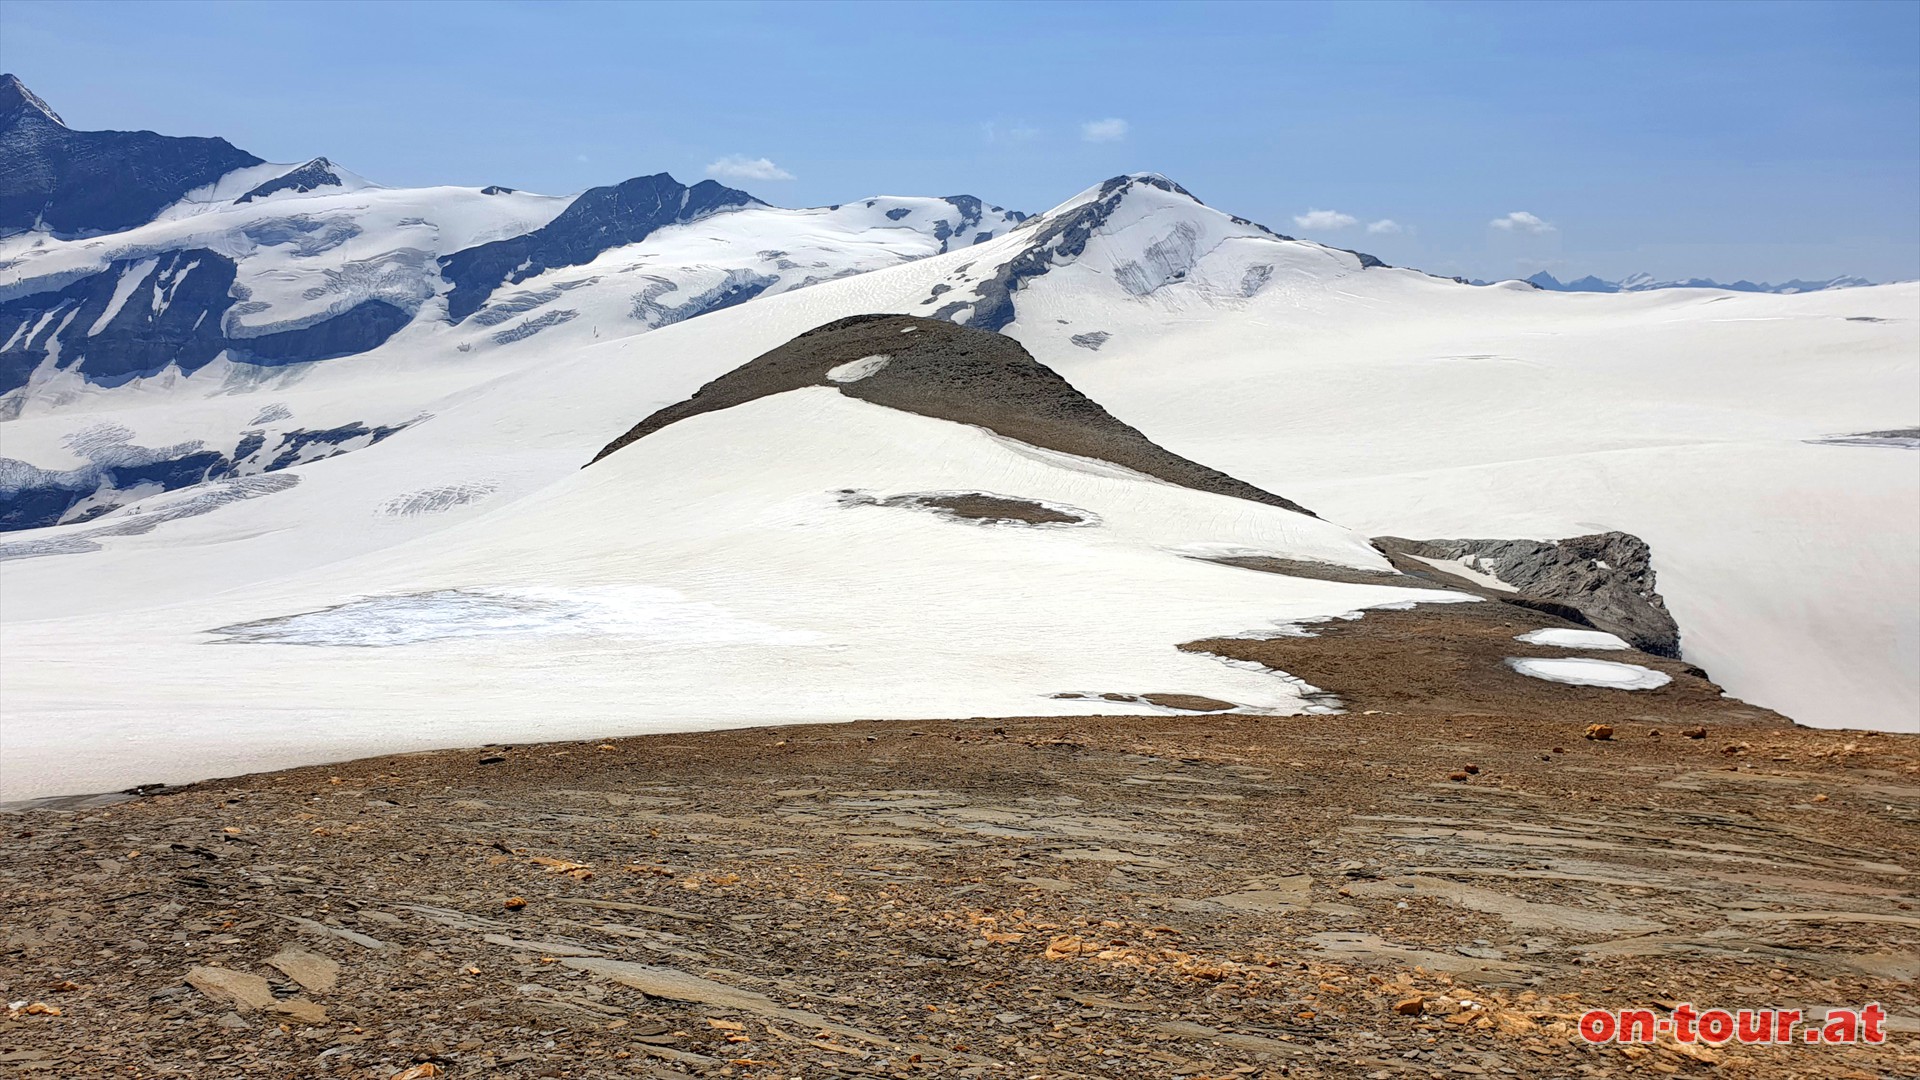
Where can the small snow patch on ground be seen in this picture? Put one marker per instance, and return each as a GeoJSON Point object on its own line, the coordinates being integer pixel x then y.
{"type": "Point", "coordinates": [1577, 671]}
{"type": "Point", "coordinates": [1468, 568]}
{"type": "Point", "coordinates": [855, 370]}
{"type": "Point", "coordinates": [1574, 639]}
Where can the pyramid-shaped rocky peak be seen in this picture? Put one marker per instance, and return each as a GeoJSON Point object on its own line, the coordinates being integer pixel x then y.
{"type": "Point", "coordinates": [949, 372]}
{"type": "Point", "coordinates": [79, 183]}
{"type": "Point", "coordinates": [312, 176]}
{"type": "Point", "coordinates": [16, 100]}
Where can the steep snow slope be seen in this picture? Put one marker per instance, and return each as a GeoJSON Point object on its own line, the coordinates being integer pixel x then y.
{"type": "Point", "coordinates": [1407, 405]}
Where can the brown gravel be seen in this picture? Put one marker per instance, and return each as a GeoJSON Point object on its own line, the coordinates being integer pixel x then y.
{"type": "Point", "coordinates": [1165, 896]}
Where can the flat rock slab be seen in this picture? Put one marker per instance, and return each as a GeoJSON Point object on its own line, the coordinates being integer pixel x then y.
{"type": "Point", "coordinates": [544, 948]}
{"type": "Point", "coordinates": [340, 932]}
{"type": "Point", "coordinates": [249, 993]}
{"type": "Point", "coordinates": [239, 989]}
{"type": "Point", "coordinates": [1373, 949]}
{"type": "Point", "coordinates": [1252, 1044]}
{"type": "Point", "coordinates": [315, 973]}
{"type": "Point", "coordinates": [1276, 894]}
{"type": "Point", "coordinates": [1525, 914]}
{"type": "Point", "coordinates": [672, 983]}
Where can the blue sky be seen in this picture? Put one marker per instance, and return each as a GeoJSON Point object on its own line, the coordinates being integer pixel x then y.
{"type": "Point", "coordinates": [1766, 141]}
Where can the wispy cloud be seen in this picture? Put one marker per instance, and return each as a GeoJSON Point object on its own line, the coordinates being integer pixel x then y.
{"type": "Point", "coordinates": [1521, 221]}
{"type": "Point", "coordinates": [741, 167]}
{"type": "Point", "coordinates": [1385, 225]}
{"type": "Point", "coordinates": [1019, 131]}
{"type": "Point", "coordinates": [1112, 129]}
{"type": "Point", "coordinates": [1325, 220]}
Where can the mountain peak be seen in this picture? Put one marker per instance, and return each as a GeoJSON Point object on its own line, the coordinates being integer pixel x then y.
{"type": "Point", "coordinates": [315, 174]}
{"type": "Point", "coordinates": [16, 99]}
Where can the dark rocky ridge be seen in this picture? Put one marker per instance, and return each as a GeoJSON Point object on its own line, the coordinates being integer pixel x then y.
{"type": "Point", "coordinates": [119, 472]}
{"type": "Point", "coordinates": [955, 373]}
{"type": "Point", "coordinates": [188, 330]}
{"type": "Point", "coordinates": [79, 183]}
{"type": "Point", "coordinates": [312, 176]}
{"type": "Point", "coordinates": [600, 219]}
{"type": "Point", "coordinates": [1604, 580]}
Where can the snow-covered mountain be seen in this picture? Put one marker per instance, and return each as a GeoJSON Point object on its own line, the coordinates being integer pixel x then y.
{"type": "Point", "coordinates": [1644, 282]}
{"type": "Point", "coordinates": [570, 508]}
{"type": "Point", "coordinates": [252, 276]}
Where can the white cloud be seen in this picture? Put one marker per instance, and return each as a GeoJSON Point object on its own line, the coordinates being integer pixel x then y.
{"type": "Point", "coordinates": [1521, 221]}
{"type": "Point", "coordinates": [1324, 220]}
{"type": "Point", "coordinates": [741, 167]}
{"type": "Point", "coordinates": [1112, 129]}
{"type": "Point", "coordinates": [1385, 225]}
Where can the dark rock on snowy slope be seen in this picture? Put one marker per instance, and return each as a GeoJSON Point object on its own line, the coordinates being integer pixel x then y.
{"type": "Point", "coordinates": [949, 372]}
{"type": "Point", "coordinates": [171, 315]}
{"type": "Point", "coordinates": [1605, 580]}
{"type": "Point", "coordinates": [119, 471]}
{"type": "Point", "coordinates": [312, 176]}
{"type": "Point", "coordinates": [172, 309]}
{"type": "Point", "coordinates": [84, 182]}
{"type": "Point", "coordinates": [600, 219]}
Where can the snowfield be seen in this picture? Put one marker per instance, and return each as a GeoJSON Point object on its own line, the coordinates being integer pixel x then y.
{"type": "Point", "coordinates": [463, 580]}
{"type": "Point", "coordinates": [708, 575]}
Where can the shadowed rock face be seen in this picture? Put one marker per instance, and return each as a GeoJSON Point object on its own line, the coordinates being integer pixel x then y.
{"type": "Point", "coordinates": [312, 176]}
{"type": "Point", "coordinates": [956, 373]}
{"type": "Point", "coordinates": [118, 471]}
{"type": "Point", "coordinates": [600, 219]}
{"type": "Point", "coordinates": [186, 328]}
{"type": "Point", "coordinates": [84, 182]}
{"type": "Point", "coordinates": [1604, 580]}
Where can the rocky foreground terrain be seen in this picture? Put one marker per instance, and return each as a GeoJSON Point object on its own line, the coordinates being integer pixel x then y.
{"type": "Point", "coordinates": [1436, 882]}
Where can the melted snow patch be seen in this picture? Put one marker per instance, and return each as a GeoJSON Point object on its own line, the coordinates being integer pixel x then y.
{"type": "Point", "coordinates": [1574, 639]}
{"type": "Point", "coordinates": [657, 615]}
{"type": "Point", "coordinates": [855, 370]}
{"type": "Point", "coordinates": [1468, 568]}
{"type": "Point", "coordinates": [1576, 671]}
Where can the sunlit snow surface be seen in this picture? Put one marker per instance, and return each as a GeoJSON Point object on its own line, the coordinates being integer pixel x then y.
{"type": "Point", "coordinates": [1388, 401]}
{"type": "Point", "coordinates": [1577, 671]}
{"type": "Point", "coordinates": [1468, 568]}
{"type": "Point", "coordinates": [1573, 639]}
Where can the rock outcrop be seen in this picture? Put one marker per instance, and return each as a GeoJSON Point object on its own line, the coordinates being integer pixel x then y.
{"type": "Point", "coordinates": [934, 368]}
{"type": "Point", "coordinates": [1604, 580]}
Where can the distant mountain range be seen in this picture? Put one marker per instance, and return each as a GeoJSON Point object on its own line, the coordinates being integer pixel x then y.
{"type": "Point", "coordinates": [1645, 282]}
